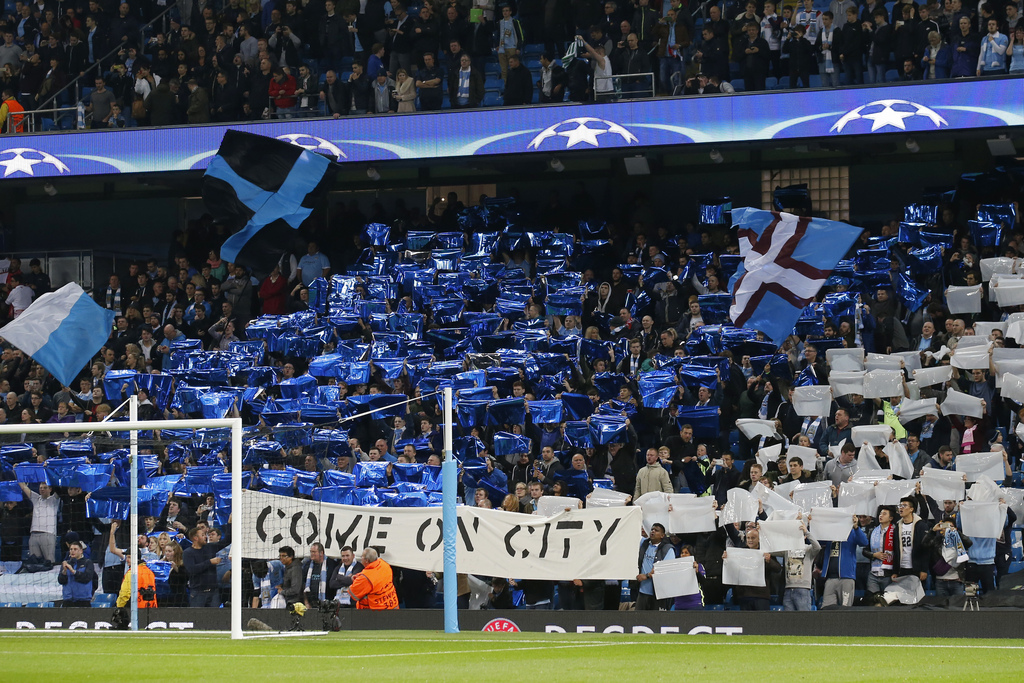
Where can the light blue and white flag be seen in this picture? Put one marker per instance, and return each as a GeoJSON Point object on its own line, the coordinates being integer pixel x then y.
{"type": "Point", "coordinates": [61, 331]}
{"type": "Point", "coordinates": [786, 260]}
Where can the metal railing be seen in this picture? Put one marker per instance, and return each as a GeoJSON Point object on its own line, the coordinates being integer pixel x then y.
{"type": "Point", "coordinates": [107, 59]}
{"type": "Point", "coordinates": [32, 121]}
{"type": "Point", "coordinates": [63, 266]}
{"type": "Point", "coordinates": [629, 86]}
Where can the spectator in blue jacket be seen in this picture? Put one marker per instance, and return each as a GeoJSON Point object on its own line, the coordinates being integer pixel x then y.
{"type": "Point", "coordinates": [966, 46]}
{"type": "Point", "coordinates": [76, 576]}
{"type": "Point", "coordinates": [938, 58]}
{"type": "Point", "coordinates": [839, 568]}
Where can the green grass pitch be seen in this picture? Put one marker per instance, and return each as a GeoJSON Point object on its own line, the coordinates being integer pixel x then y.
{"type": "Point", "coordinates": [409, 656]}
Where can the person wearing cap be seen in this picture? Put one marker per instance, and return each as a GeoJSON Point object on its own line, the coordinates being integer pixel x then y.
{"type": "Point", "coordinates": [76, 575]}
{"type": "Point", "coordinates": [147, 584]}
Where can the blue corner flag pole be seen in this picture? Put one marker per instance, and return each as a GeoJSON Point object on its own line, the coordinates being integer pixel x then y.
{"type": "Point", "coordinates": [449, 485]}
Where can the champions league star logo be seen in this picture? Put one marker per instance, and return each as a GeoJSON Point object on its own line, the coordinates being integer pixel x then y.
{"type": "Point", "coordinates": [585, 129]}
{"type": "Point", "coordinates": [888, 113]}
{"type": "Point", "coordinates": [24, 159]}
{"type": "Point", "coordinates": [313, 144]}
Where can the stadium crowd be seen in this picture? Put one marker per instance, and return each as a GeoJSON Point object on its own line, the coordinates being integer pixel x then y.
{"type": "Point", "coordinates": [550, 335]}
{"type": "Point", "coordinates": [232, 61]}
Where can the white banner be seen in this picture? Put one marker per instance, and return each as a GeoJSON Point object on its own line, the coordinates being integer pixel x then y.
{"type": "Point", "coordinates": [780, 536]}
{"type": "Point", "coordinates": [875, 435]}
{"type": "Point", "coordinates": [691, 515]}
{"type": "Point", "coordinates": [959, 403]}
{"type": "Point", "coordinates": [858, 495]}
{"type": "Point", "coordinates": [844, 383]}
{"type": "Point", "coordinates": [911, 410]}
{"type": "Point", "coordinates": [976, 464]}
{"type": "Point", "coordinates": [812, 495]}
{"type": "Point", "coordinates": [831, 524]}
{"type": "Point", "coordinates": [942, 484]}
{"type": "Point", "coordinates": [970, 357]}
{"type": "Point", "coordinates": [741, 567]}
{"type": "Point", "coordinates": [845, 360]}
{"type": "Point", "coordinates": [889, 492]}
{"type": "Point", "coordinates": [675, 577]}
{"type": "Point", "coordinates": [740, 507]}
{"type": "Point", "coordinates": [981, 520]}
{"type": "Point", "coordinates": [964, 299]}
{"type": "Point", "coordinates": [882, 361]}
{"type": "Point", "coordinates": [883, 384]}
{"type": "Point", "coordinates": [938, 374]}
{"type": "Point", "coordinates": [812, 401]}
{"type": "Point", "coordinates": [582, 544]}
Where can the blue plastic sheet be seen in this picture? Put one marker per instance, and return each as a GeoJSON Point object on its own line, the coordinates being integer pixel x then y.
{"type": "Point", "coordinates": [608, 429]}
{"type": "Point", "coordinates": [657, 388]}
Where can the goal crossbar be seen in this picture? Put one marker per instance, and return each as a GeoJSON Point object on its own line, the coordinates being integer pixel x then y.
{"type": "Point", "coordinates": [135, 426]}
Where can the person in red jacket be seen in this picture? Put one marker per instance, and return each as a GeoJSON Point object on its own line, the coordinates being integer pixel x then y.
{"type": "Point", "coordinates": [282, 91]}
{"type": "Point", "coordinates": [274, 293]}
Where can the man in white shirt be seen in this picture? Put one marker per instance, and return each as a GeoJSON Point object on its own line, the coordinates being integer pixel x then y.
{"type": "Point", "coordinates": [313, 265]}
{"type": "Point", "coordinates": [42, 540]}
{"type": "Point", "coordinates": [20, 294]}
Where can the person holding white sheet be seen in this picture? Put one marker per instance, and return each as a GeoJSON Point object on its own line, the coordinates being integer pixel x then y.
{"type": "Point", "coordinates": [756, 598]}
{"type": "Point", "coordinates": [910, 557]}
{"type": "Point", "coordinates": [881, 549]}
{"type": "Point", "coordinates": [653, 549]}
{"type": "Point", "coordinates": [799, 565]}
{"type": "Point", "coordinates": [840, 470]}
{"type": "Point", "coordinates": [836, 433]}
{"type": "Point", "coordinates": [839, 568]}
{"type": "Point", "coordinates": [981, 567]}
{"type": "Point", "coordinates": [694, 601]}
{"type": "Point", "coordinates": [948, 555]}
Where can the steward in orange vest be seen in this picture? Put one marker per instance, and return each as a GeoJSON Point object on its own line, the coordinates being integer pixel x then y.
{"type": "Point", "coordinates": [146, 580]}
{"type": "Point", "coordinates": [373, 587]}
{"type": "Point", "coordinates": [11, 109]}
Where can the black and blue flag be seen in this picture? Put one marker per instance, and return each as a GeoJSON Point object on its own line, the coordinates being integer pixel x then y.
{"type": "Point", "coordinates": [262, 189]}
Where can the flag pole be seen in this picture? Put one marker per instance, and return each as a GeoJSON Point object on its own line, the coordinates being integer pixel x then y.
{"type": "Point", "coordinates": [449, 515]}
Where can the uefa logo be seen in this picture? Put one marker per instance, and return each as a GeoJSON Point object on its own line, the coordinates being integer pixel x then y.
{"type": "Point", "coordinates": [506, 625]}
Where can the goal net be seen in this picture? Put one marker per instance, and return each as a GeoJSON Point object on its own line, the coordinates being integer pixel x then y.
{"type": "Point", "coordinates": [82, 503]}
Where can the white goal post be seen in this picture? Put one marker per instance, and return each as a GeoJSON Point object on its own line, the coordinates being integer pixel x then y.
{"type": "Point", "coordinates": [135, 426]}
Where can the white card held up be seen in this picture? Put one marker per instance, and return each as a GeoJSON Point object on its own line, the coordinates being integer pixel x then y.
{"type": "Point", "coordinates": [755, 429]}
{"type": "Point", "coordinates": [860, 496]}
{"type": "Point", "coordinates": [970, 358]}
{"type": "Point", "coordinates": [899, 460]}
{"type": "Point", "coordinates": [984, 490]}
{"type": "Point", "coordinates": [808, 456]}
{"type": "Point", "coordinates": [655, 509]}
{"type": "Point", "coordinates": [871, 476]}
{"type": "Point", "coordinates": [964, 299]}
{"type": "Point", "coordinates": [812, 495]}
{"type": "Point", "coordinates": [772, 501]}
{"type": "Point", "coordinates": [982, 520]}
{"type": "Point", "coordinates": [890, 491]}
{"type": "Point", "coordinates": [938, 374]}
{"type": "Point", "coordinates": [1008, 293]}
{"type": "Point", "coordinates": [691, 515]}
{"type": "Point", "coordinates": [911, 359]}
{"type": "Point", "coordinates": [875, 435]}
{"type": "Point", "coordinates": [911, 410]}
{"type": "Point", "coordinates": [549, 506]}
{"type": "Point", "coordinates": [959, 403]}
{"type": "Point", "coordinates": [942, 484]}
{"type": "Point", "coordinates": [812, 401]}
{"type": "Point", "coordinates": [780, 536]}
{"type": "Point", "coordinates": [741, 506]}
{"type": "Point", "coordinates": [845, 360]}
{"type": "Point", "coordinates": [972, 340]}
{"type": "Point", "coordinates": [984, 329]}
{"type": "Point", "coordinates": [786, 489]}
{"type": "Point", "coordinates": [883, 384]}
{"type": "Point", "coordinates": [845, 383]}
{"type": "Point", "coordinates": [1005, 367]}
{"type": "Point", "coordinates": [981, 464]}
{"type": "Point", "coordinates": [606, 498]}
{"type": "Point", "coordinates": [1015, 499]}
{"type": "Point", "coordinates": [999, 264]}
{"type": "Point", "coordinates": [831, 524]}
{"type": "Point", "coordinates": [881, 361]}
{"type": "Point", "coordinates": [1013, 387]}
{"type": "Point", "coordinates": [743, 567]}
{"type": "Point", "coordinates": [675, 577]}
{"type": "Point", "coordinates": [767, 455]}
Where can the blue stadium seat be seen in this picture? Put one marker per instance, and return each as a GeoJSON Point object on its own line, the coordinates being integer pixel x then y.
{"type": "Point", "coordinates": [888, 8]}
{"type": "Point", "coordinates": [10, 604]}
{"type": "Point", "coordinates": [815, 81]}
{"type": "Point", "coordinates": [492, 69]}
{"type": "Point", "coordinates": [47, 124]}
{"type": "Point", "coordinates": [714, 608]}
{"type": "Point", "coordinates": [738, 465]}
{"type": "Point", "coordinates": [771, 83]}
{"type": "Point", "coordinates": [533, 49]}
{"type": "Point", "coordinates": [892, 75]}
{"type": "Point", "coordinates": [39, 604]}
{"type": "Point", "coordinates": [492, 99]}
{"type": "Point", "coordinates": [104, 600]}
{"type": "Point", "coordinates": [495, 84]}
{"type": "Point", "coordinates": [533, 64]}
{"type": "Point", "coordinates": [783, 83]}
{"type": "Point", "coordinates": [737, 84]}
{"type": "Point", "coordinates": [778, 608]}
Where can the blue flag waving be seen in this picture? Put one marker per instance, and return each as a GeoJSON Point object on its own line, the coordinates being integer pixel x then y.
{"type": "Point", "coordinates": [786, 260]}
{"type": "Point", "coordinates": [262, 189]}
{"type": "Point", "coordinates": [61, 331]}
